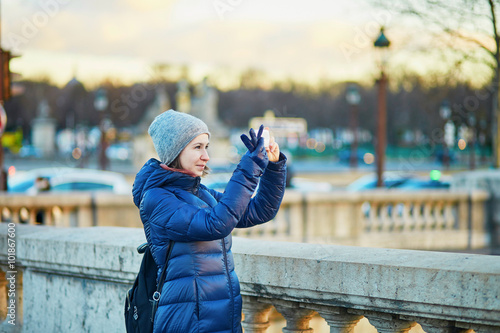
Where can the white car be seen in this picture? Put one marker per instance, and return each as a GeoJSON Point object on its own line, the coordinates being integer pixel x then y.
{"type": "Point", "coordinates": [69, 179]}
{"type": "Point", "coordinates": [218, 181]}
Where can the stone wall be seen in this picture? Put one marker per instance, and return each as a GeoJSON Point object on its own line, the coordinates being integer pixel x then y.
{"type": "Point", "coordinates": [75, 279]}
{"type": "Point", "coordinates": [429, 220]}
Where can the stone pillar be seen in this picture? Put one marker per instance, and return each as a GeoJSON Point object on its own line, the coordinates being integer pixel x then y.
{"type": "Point", "coordinates": [338, 319]}
{"type": "Point", "coordinates": [3, 296]}
{"type": "Point", "coordinates": [256, 315]}
{"type": "Point", "coordinates": [439, 326]}
{"type": "Point", "coordinates": [387, 323]}
{"type": "Point", "coordinates": [297, 319]}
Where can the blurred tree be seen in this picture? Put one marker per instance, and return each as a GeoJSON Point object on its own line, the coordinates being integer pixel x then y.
{"type": "Point", "coordinates": [471, 29]}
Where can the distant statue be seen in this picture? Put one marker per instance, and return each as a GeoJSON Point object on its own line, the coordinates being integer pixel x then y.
{"type": "Point", "coordinates": [43, 110]}
{"type": "Point", "coordinates": [143, 148]}
{"type": "Point", "coordinates": [205, 103]}
{"type": "Point", "coordinates": [43, 129]}
{"type": "Point", "coordinates": [183, 97]}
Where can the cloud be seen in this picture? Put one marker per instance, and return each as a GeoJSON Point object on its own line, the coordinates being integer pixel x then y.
{"type": "Point", "coordinates": [187, 32]}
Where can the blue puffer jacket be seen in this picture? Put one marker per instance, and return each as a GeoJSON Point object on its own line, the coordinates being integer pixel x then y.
{"type": "Point", "coordinates": [201, 291]}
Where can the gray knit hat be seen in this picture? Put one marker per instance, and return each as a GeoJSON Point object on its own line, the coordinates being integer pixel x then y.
{"type": "Point", "coordinates": [171, 131]}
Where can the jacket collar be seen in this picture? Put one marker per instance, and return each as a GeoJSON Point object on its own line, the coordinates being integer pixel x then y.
{"type": "Point", "coordinates": [152, 174]}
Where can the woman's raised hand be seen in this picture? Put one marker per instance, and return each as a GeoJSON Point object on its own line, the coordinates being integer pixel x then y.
{"type": "Point", "coordinates": [252, 142]}
{"type": "Point", "coordinates": [273, 151]}
{"type": "Point", "coordinates": [256, 149]}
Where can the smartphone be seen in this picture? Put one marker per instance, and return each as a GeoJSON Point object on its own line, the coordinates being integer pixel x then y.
{"type": "Point", "coordinates": [265, 135]}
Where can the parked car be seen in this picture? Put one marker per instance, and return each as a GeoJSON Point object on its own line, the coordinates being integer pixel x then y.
{"type": "Point", "coordinates": [345, 156]}
{"type": "Point", "coordinates": [439, 155]}
{"type": "Point", "coordinates": [218, 181]}
{"type": "Point", "coordinates": [68, 179]}
{"type": "Point", "coordinates": [422, 183]}
{"type": "Point", "coordinates": [397, 180]}
{"type": "Point", "coordinates": [30, 151]}
{"type": "Point", "coordinates": [390, 180]}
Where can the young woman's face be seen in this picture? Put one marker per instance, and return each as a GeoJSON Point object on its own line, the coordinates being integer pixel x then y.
{"type": "Point", "coordinates": [194, 157]}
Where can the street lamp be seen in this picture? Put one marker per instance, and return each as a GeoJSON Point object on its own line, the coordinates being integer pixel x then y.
{"type": "Point", "coordinates": [381, 43]}
{"type": "Point", "coordinates": [353, 98]}
{"type": "Point", "coordinates": [101, 104]}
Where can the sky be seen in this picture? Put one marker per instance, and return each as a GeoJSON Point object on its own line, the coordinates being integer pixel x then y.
{"type": "Point", "coordinates": [121, 39]}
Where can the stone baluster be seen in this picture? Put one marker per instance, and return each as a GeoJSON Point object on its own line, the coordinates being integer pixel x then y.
{"type": "Point", "coordinates": [449, 216]}
{"type": "Point", "coordinates": [371, 221]}
{"type": "Point", "coordinates": [3, 296]}
{"type": "Point", "coordinates": [338, 319]}
{"type": "Point", "coordinates": [6, 214]}
{"type": "Point", "coordinates": [297, 319]}
{"type": "Point", "coordinates": [387, 323]}
{"type": "Point", "coordinates": [436, 325]}
{"type": "Point", "coordinates": [256, 315]}
{"type": "Point", "coordinates": [15, 215]}
{"type": "Point", "coordinates": [385, 217]}
{"type": "Point", "coordinates": [430, 221]}
{"type": "Point", "coordinates": [416, 216]}
{"type": "Point", "coordinates": [67, 212]}
{"type": "Point", "coordinates": [32, 215]}
{"type": "Point", "coordinates": [49, 217]}
{"type": "Point", "coordinates": [400, 217]}
{"type": "Point", "coordinates": [409, 217]}
{"type": "Point", "coordinates": [439, 215]}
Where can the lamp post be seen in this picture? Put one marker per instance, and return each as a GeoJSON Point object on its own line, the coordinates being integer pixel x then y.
{"type": "Point", "coordinates": [472, 143]}
{"type": "Point", "coordinates": [353, 98]}
{"type": "Point", "coordinates": [381, 43]}
{"type": "Point", "coordinates": [101, 104]}
{"type": "Point", "coordinates": [445, 113]}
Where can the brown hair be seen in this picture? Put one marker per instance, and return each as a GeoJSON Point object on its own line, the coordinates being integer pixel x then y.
{"type": "Point", "coordinates": [176, 164]}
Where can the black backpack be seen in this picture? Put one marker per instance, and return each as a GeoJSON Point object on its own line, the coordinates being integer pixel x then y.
{"type": "Point", "coordinates": [142, 299]}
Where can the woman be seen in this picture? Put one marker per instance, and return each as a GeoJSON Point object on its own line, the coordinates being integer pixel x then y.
{"type": "Point", "coordinates": [201, 291]}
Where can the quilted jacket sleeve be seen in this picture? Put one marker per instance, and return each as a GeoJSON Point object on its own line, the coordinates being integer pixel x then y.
{"type": "Point", "coordinates": [180, 221]}
{"type": "Point", "coordinates": [266, 203]}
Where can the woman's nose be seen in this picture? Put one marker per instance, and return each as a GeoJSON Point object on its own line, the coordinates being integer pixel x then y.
{"type": "Point", "coordinates": [205, 156]}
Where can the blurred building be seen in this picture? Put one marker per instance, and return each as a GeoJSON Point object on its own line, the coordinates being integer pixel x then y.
{"type": "Point", "coordinates": [143, 148]}
{"type": "Point", "coordinates": [289, 132]}
{"type": "Point", "coordinates": [203, 104]}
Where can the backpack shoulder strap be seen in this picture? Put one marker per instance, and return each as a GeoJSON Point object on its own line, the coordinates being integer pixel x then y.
{"type": "Point", "coordinates": [157, 294]}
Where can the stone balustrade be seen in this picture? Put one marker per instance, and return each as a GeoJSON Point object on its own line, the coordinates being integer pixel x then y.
{"type": "Point", "coordinates": [70, 209]}
{"type": "Point", "coordinates": [75, 279]}
{"type": "Point", "coordinates": [435, 219]}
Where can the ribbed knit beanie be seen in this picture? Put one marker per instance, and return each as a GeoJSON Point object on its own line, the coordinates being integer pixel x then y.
{"type": "Point", "coordinates": [171, 131]}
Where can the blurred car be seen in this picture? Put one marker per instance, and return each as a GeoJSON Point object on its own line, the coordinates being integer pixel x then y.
{"type": "Point", "coordinates": [396, 180]}
{"type": "Point", "coordinates": [420, 184]}
{"type": "Point", "coordinates": [30, 151]}
{"type": "Point", "coordinates": [440, 154]}
{"type": "Point", "coordinates": [390, 180]}
{"type": "Point", "coordinates": [306, 185]}
{"type": "Point", "coordinates": [218, 181]}
{"type": "Point", "coordinates": [119, 151]}
{"type": "Point", "coordinates": [68, 179]}
{"type": "Point", "coordinates": [345, 156]}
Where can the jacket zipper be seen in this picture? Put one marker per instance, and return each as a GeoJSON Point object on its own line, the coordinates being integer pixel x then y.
{"type": "Point", "coordinates": [196, 188]}
{"type": "Point", "coordinates": [230, 283]}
